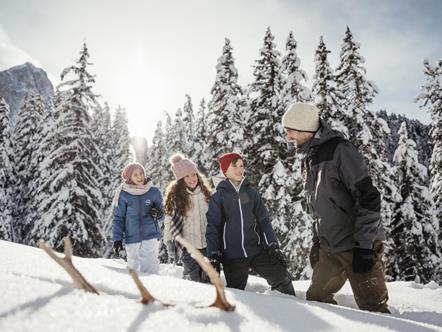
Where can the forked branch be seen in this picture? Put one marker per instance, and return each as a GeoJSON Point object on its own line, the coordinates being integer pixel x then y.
{"type": "Point", "coordinates": [66, 263]}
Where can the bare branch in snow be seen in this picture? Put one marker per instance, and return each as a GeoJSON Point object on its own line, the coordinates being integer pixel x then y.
{"type": "Point", "coordinates": [221, 300]}
{"type": "Point", "coordinates": [66, 263]}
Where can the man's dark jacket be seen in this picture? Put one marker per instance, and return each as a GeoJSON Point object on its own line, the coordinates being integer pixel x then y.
{"type": "Point", "coordinates": [340, 193]}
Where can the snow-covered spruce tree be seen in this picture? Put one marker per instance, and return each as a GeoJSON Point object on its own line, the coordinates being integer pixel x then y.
{"type": "Point", "coordinates": [431, 100]}
{"type": "Point", "coordinates": [414, 227]}
{"type": "Point", "coordinates": [202, 155]}
{"type": "Point", "coordinates": [6, 175]}
{"type": "Point", "coordinates": [294, 78]}
{"type": "Point", "coordinates": [157, 166]}
{"type": "Point", "coordinates": [189, 126]}
{"type": "Point", "coordinates": [74, 202]}
{"type": "Point", "coordinates": [121, 155]}
{"type": "Point", "coordinates": [327, 96]}
{"type": "Point", "coordinates": [356, 91]}
{"type": "Point", "coordinates": [171, 145]}
{"type": "Point", "coordinates": [25, 137]}
{"type": "Point", "coordinates": [101, 128]}
{"type": "Point", "coordinates": [285, 189]}
{"type": "Point", "coordinates": [40, 175]}
{"type": "Point", "coordinates": [178, 134]}
{"type": "Point", "coordinates": [224, 118]}
{"type": "Point", "coordinates": [263, 128]}
{"type": "Point", "coordinates": [366, 131]}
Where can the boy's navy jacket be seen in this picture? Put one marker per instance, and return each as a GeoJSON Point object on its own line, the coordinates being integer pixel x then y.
{"type": "Point", "coordinates": [132, 218]}
{"type": "Point", "coordinates": [238, 223]}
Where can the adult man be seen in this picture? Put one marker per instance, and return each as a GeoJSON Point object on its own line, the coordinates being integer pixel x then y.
{"type": "Point", "coordinates": [348, 234]}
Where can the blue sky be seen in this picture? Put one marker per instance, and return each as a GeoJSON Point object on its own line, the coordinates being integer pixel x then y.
{"type": "Point", "coordinates": [148, 54]}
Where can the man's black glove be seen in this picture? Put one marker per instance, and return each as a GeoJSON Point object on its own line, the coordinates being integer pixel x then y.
{"type": "Point", "coordinates": [215, 262]}
{"type": "Point", "coordinates": [314, 255]}
{"type": "Point", "coordinates": [156, 213]}
{"type": "Point", "coordinates": [276, 255]}
{"type": "Point", "coordinates": [118, 246]}
{"type": "Point", "coordinates": [363, 260]}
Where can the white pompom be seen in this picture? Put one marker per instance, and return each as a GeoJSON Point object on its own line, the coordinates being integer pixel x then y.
{"type": "Point", "coordinates": [176, 158]}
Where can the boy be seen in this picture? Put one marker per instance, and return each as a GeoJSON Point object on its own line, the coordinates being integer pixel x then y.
{"type": "Point", "coordinates": [239, 233]}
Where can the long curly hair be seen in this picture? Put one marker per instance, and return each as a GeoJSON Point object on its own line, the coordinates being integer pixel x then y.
{"type": "Point", "coordinates": [178, 198]}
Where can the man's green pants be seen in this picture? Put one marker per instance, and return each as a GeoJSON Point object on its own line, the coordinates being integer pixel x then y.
{"type": "Point", "coordinates": [332, 271]}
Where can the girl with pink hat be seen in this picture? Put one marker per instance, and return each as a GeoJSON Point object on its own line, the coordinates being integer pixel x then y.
{"type": "Point", "coordinates": [186, 202]}
{"type": "Point", "coordinates": [138, 206]}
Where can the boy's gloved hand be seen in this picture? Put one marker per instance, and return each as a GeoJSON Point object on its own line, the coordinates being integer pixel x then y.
{"type": "Point", "coordinates": [118, 246]}
{"type": "Point", "coordinates": [156, 213]}
{"type": "Point", "coordinates": [363, 260]}
{"type": "Point", "coordinates": [276, 255]}
{"type": "Point", "coordinates": [314, 255]}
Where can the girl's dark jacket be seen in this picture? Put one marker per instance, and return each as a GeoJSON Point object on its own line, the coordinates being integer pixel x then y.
{"type": "Point", "coordinates": [340, 193]}
{"type": "Point", "coordinates": [238, 223]}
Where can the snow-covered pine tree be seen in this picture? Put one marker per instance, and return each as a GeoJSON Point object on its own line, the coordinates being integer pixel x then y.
{"type": "Point", "coordinates": [414, 228]}
{"type": "Point", "coordinates": [25, 137]}
{"type": "Point", "coordinates": [40, 175]}
{"type": "Point", "coordinates": [356, 91]}
{"type": "Point", "coordinates": [157, 166]}
{"type": "Point", "coordinates": [189, 127]}
{"type": "Point", "coordinates": [178, 134]}
{"type": "Point", "coordinates": [225, 110]}
{"type": "Point", "coordinates": [6, 174]}
{"type": "Point", "coordinates": [285, 189]}
{"type": "Point", "coordinates": [74, 202]}
{"type": "Point", "coordinates": [201, 154]}
{"type": "Point", "coordinates": [169, 137]}
{"type": "Point", "coordinates": [294, 78]}
{"type": "Point", "coordinates": [263, 128]}
{"type": "Point", "coordinates": [327, 96]}
{"type": "Point", "coordinates": [431, 100]}
{"type": "Point", "coordinates": [101, 128]}
{"type": "Point", "coordinates": [366, 131]}
{"type": "Point", "coordinates": [121, 146]}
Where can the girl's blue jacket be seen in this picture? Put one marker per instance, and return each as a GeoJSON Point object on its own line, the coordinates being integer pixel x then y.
{"type": "Point", "coordinates": [132, 220]}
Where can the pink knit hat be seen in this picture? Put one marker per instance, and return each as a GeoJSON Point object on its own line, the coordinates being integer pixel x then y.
{"type": "Point", "coordinates": [129, 169]}
{"type": "Point", "coordinates": [182, 166]}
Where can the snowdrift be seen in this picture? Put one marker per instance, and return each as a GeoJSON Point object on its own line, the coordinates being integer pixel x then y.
{"type": "Point", "coordinates": [37, 295]}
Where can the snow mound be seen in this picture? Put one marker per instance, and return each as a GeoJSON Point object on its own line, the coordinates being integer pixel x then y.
{"type": "Point", "coordinates": [37, 295]}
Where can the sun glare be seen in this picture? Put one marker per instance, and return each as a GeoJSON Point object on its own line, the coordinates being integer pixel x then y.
{"type": "Point", "coordinates": [141, 93]}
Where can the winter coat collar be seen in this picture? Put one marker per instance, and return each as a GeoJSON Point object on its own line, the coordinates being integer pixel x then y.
{"type": "Point", "coordinates": [229, 186]}
{"type": "Point", "coordinates": [131, 189]}
{"type": "Point", "coordinates": [324, 134]}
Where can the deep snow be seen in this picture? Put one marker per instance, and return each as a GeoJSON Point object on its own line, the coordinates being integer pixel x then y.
{"type": "Point", "coordinates": [37, 295]}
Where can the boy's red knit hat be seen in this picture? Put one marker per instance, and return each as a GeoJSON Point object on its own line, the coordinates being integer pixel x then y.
{"type": "Point", "coordinates": [226, 159]}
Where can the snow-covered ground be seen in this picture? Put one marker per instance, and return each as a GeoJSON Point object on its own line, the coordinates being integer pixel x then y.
{"type": "Point", "coordinates": [37, 295]}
